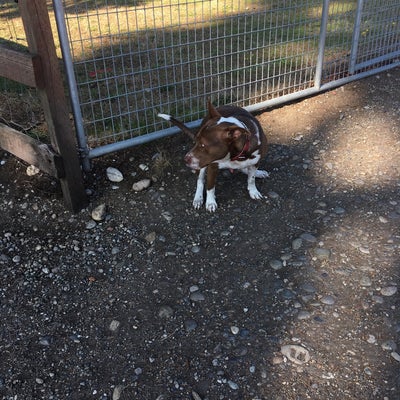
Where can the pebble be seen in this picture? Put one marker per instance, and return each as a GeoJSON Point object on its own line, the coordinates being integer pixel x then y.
{"type": "Point", "coordinates": [235, 330]}
{"type": "Point", "coordinates": [322, 254]}
{"type": "Point", "coordinates": [197, 296]}
{"type": "Point", "coordinates": [141, 185]}
{"type": "Point", "coordinates": [296, 354]}
{"type": "Point", "coordinates": [90, 225]}
{"type": "Point", "coordinates": [328, 300]}
{"type": "Point", "coordinates": [114, 325]}
{"type": "Point", "coordinates": [99, 213]}
{"type": "Point", "coordinates": [308, 288]}
{"type": "Point", "coordinates": [190, 325]}
{"type": "Point", "coordinates": [389, 345]}
{"type": "Point", "coordinates": [365, 281]}
{"type": "Point", "coordinates": [233, 385]}
{"type": "Point", "coordinates": [389, 291]}
{"type": "Point", "coordinates": [195, 249]}
{"type": "Point", "coordinates": [276, 264]}
{"type": "Point", "coordinates": [371, 339]}
{"type": "Point", "coordinates": [150, 237]}
{"type": "Point", "coordinates": [165, 312]}
{"type": "Point", "coordinates": [32, 170]}
{"type": "Point", "coordinates": [273, 195]}
{"type": "Point", "coordinates": [395, 355]}
{"type": "Point", "coordinates": [297, 243]}
{"type": "Point", "coordinates": [117, 392]}
{"type": "Point", "coordinates": [114, 175]}
{"type": "Point", "coordinates": [303, 315]}
{"type": "Point", "coordinates": [339, 210]}
{"type": "Point", "coordinates": [308, 237]}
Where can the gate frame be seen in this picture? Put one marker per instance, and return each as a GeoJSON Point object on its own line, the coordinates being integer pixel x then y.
{"type": "Point", "coordinates": [40, 69]}
{"type": "Point", "coordinates": [318, 87]}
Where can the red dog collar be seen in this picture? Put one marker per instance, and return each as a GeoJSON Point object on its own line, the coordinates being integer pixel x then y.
{"type": "Point", "coordinates": [241, 156]}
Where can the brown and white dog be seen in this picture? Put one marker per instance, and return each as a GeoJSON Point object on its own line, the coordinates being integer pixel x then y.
{"type": "Point", "coordinates": [229, 137]}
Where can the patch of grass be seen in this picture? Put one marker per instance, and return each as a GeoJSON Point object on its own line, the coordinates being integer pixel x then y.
{"type": "Point", "coordinates": [132, 56]}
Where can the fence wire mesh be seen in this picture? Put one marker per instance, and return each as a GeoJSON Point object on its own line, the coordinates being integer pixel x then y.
{"type": "Point", "coordinates": [133, 58]}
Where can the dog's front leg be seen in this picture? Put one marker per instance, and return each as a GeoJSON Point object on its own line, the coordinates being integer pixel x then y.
{"type": "Point", "coordinates": [211, 203]}
{"type": "Point", "coordinates": [251, 183]}
{"type": "Point", "coordinates": [198, 197]}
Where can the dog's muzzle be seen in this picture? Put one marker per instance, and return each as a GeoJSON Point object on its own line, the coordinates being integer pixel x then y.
{"type": "Point", "coordinates": [191, 161]}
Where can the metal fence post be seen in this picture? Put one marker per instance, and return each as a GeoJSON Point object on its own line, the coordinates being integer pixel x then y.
{"type": "Point", "coordinates": [321, 45]}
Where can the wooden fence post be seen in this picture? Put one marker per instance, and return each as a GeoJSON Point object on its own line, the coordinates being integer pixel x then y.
{"type": "Point", "coordinates": [40, 40]}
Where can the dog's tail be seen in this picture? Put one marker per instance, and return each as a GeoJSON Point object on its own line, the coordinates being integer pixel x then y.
{"type": "Point", "coordinates": [177, 123]}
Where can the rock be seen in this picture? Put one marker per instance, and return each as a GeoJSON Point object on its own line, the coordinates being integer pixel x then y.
{"type": "Point", "coordinates": [276, 264]}
{"type": "Point", "coordinates": [328, 300]}
{"type": "Point", "coordinates": [195, 395]}
{"type": "Point", "coordinates": [388, 291]}
{"type": "Point", "coordinates": [197, 296]}
{"type": "Point", "coordinates": [322, 254]}
{"type": "Point", "coordinates": [395, 355]}
{"type": "Point", "coordinates": [389, 345]}
{"type": "Point", "coordinates": [233, 385]}
{"type": "Point", "coordinates": [303, 315]}
{"type": "Point", "coordinates": [296, 354]}
{"type": "Point", "coordinates": [117, 392]}
{"type": "Point", "coordinates": [90, 225]}
{"type": "Point", "coordinates": [32, 170]}
{"type": "Point", "coordinates": [150, 237]}
{"type": "Point", "coordinates": [296, 244]}
{"type": "Point", "coordinates": [141, 185]}
{"type": "Point", "coordinates": [165, 312]}
{"type": "Point", "coordinates": [365, 281]}
{"type": "Point", "coordinates": [99, 213]}
{"type": "Point", "coordinates": [190, 325]}
{"type": "Point", "coordinates": [308, 237]}
{"type": "Point", "coordinates": [114, 325]}
{"type": "Point", "coordinates": [235, 330]}
{"type": "Point", "coordinates": [114, 175]}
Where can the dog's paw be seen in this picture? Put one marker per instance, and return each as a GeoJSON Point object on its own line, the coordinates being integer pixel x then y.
{"type": "Point", "coordinates": [197, 202]}
{"type": "Point", "coordinates": [260, 173]}
{"type": "Point", "coordinates": [255, 194]}
{"type": "Point", "coordinates": [211, 206]}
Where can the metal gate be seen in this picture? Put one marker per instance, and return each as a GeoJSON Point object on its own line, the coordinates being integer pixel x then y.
{"type": "Point", "coordinates": [127, 60]}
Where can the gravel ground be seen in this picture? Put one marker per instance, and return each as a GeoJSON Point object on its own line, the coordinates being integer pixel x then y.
{"type": "Point", "coordinates": [292, 297]}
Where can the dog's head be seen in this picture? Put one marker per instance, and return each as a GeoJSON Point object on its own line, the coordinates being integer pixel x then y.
{"type": "Point", "coordinates": [216, 136]}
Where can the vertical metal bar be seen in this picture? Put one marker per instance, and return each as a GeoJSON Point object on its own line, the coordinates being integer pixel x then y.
{"type": "Point", "coordinates": [72, 86]}
{"type": "Point", "coordinates": [356, 37]}
{"type": "Point", "coordinates": [321, 45]}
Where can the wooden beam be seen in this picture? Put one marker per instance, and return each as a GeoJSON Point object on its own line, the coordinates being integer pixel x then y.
{"type": "Point", "coordinates": [21, 67]}
{"type": "Point", "coordinates": [31, 150]}
{"type": "Point", "coordinates": [40, 40]}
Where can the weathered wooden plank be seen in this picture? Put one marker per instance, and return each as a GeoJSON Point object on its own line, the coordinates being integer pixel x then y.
{"type": "Point", "coordinates": [40, 41]}
{"type": "Point", "coordinates": [20, 67]}
{"type": "Point", "coordinates": [31, 150]}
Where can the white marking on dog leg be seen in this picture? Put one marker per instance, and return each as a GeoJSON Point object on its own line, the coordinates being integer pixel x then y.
{"type": "Point", "coordinates": [198, 197]}
{"type": "Point", "coordinates": [260, 173]}
{"type": "Point", "coordinates": [211, 203]}
{"type": "Point", "coordinates": [251, 184]}
{"type": "Point", "coordinates": [165, 116]}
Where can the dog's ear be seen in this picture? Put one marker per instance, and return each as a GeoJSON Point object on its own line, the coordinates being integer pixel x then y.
{"type": "Point", "coordinates": [212, 111]}
{"type": "Point", "coordinates": [235, 132]}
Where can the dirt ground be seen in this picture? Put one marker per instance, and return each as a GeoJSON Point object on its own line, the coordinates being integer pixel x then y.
{"type": "Point", "coordinates": [160, 301]}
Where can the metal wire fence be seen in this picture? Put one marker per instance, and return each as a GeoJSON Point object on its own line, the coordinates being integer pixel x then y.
{"type": "Point", "coordinates": [126, 60]}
